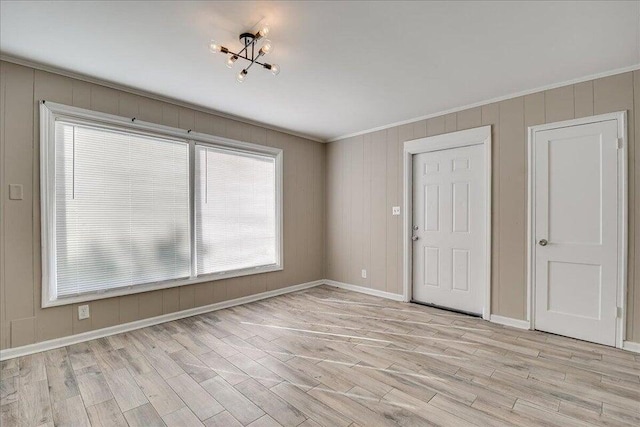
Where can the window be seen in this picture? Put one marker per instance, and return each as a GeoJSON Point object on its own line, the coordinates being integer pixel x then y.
{"type": "Point", "coordinates": [122, 209]}
{"type": "Point", "coordinates": [129, 207]}
{"type": "Point", "coordinates": [235, 210]}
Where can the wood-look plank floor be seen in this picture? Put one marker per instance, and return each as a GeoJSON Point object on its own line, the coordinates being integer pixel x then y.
{"type": "Point", "coordinates": [324, 357]}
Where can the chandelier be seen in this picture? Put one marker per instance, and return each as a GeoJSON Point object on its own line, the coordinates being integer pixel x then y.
{"type": "Point", "coordinates": [248, 52]}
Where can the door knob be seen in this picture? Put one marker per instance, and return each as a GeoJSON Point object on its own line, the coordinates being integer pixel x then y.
{"type": "Point", "coordinates": [543, 242]}
{"type": "Point", "coordinates": [414, 238]}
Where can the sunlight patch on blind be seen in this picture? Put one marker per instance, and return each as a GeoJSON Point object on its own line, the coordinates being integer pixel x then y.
{"type": "Point", "coordinates": [122, 209]}
{"type": "Point", "coordinates": [235, 210]}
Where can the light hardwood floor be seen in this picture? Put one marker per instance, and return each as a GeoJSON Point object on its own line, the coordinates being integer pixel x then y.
{"type": "Point", "coordinates": [324, 357]}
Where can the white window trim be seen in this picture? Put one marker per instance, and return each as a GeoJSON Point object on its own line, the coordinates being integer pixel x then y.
{"type": "Point", "coordinates": [51, 112]}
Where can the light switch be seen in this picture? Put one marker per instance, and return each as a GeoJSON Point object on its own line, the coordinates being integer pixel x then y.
{"type": "Point", "coordinates": [395, 210]}
{"type": "Point", "coordinates": [15, 192]}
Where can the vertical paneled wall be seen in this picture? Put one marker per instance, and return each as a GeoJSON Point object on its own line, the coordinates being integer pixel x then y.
{"type": "Point", "coordinates": [22, 321]}
{"type": "Point", "coordinates": [337, 204]}
{"type": "Point", "coordinates": [364, 181]}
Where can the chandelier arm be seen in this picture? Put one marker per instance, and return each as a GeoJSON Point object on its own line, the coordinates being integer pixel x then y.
{"type": "Point", "coordinates": [249, 66]}
{"type": "Point", "coordinates": [243, 49]}
{"type": "Point", "coordinates": [239, 55]}
{"type": "Point", "coordinates": [254, 61]}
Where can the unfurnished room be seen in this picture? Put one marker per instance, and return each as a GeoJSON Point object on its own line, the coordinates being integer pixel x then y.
{"type": "Point", "coordinates": [319, 213]}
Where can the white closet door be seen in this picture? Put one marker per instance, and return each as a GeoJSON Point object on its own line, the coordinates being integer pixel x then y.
{"type": "Point", "coordinates": [576, 231]}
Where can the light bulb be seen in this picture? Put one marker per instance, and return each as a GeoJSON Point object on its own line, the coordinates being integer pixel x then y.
{"type": "Point", "coordinates": [241, 76]}
{"type": "Point", "coordinates": [214, 46]}
{"type": "Point", "coordinates": [275, 69]}
{"type": "Point", "coordinates": [264, 31]}
{"type": "Point", "coordinates": [267, 47]}
{"type": "Point", "coordinates": [231, 60]}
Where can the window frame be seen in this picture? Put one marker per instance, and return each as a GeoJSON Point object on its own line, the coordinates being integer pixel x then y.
{"type": "Point", "coordinates": [51, 112]}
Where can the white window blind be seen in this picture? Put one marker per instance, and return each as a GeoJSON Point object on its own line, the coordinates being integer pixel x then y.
{"type": "Point", "coordinates": [121, 207]}
{"type": "Point", "coordinates": [235, 210]}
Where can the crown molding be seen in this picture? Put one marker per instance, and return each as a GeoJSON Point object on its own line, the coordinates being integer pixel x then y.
{"type": "Point", "coordinates": [491, 101]}
{"type": "Point", "coordinates": [177, 102]}
{"type": "Point", "coordinates": [113, 85]}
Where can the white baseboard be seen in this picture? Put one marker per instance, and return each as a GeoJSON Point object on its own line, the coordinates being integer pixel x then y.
{"type": "Point", "coordinates": [363, 290]}
{"type": "Point", "coordinates": [508, 321]}
{"type": "Point", "coordinates": [631, 346]}
{"type": "Point", "coordinates": [11, 353]}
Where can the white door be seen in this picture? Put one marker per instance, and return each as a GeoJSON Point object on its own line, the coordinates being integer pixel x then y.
{"type": "Point", "coordinates": [449, 228]}
{"type": "Point", "coordinates": [576, 230]}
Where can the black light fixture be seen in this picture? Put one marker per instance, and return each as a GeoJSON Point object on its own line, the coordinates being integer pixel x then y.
{"type": "Point", "coordinates": [248, 52]}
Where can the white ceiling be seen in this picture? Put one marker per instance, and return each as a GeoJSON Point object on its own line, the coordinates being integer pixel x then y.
{"type": "Point", "coordinates": [346, 66]}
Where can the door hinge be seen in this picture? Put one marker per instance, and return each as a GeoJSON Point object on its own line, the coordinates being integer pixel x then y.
{"type": "Point", "coordinates": [619, 143]}
{"type": "Point", "coordinates": [619, 312]}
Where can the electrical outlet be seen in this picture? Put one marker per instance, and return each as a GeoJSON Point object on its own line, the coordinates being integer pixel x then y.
{"type": "Point", "coordinates": [364, 273]}
{"type": "Point", "coordinates": [395, 210]}
{"type": "Point", "coordinates": [83, 312]}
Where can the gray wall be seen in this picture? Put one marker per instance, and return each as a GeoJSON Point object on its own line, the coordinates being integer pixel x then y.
{"type": "Point", "coordinates": [364, 180]}
{"type": "Point", "coordinates": [22, 321]}
{"type": "Point", "coordinates": [337, 199]}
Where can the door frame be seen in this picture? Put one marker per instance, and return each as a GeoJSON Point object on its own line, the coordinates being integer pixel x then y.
{"type": "Point", "coordinates": [621, 118]}
{"type": "Point", "coordinates": [463, 138]}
